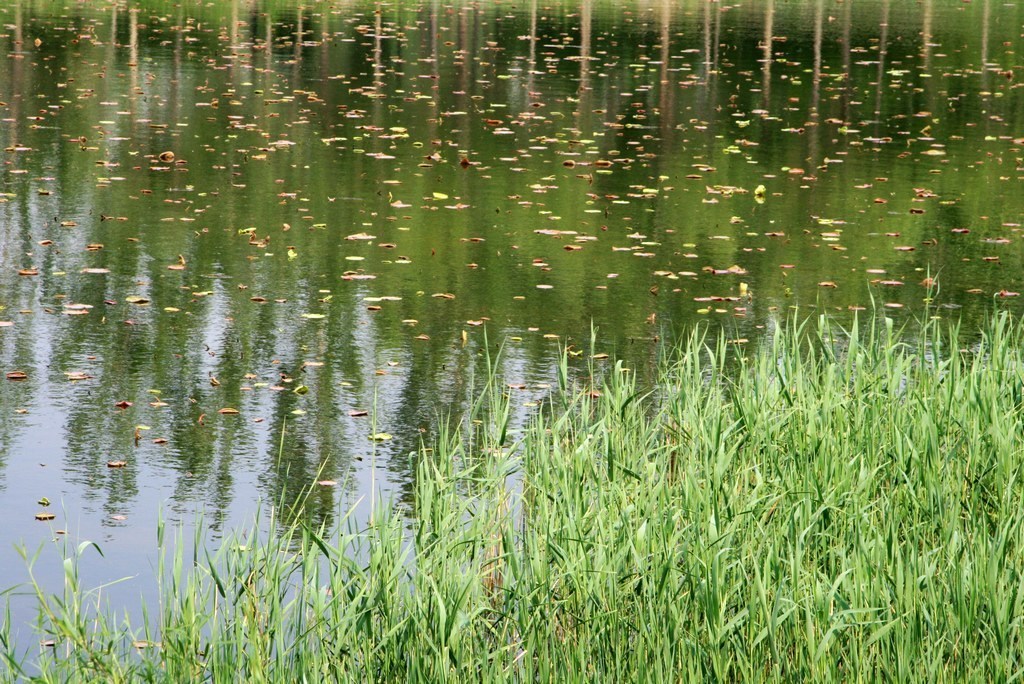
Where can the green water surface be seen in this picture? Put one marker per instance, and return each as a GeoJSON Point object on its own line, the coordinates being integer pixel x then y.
{"type": "Point", "coordinates": [238, 239]}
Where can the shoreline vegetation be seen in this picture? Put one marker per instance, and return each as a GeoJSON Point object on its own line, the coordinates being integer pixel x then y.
{"type": "Point", "coordinates": [831, 505]}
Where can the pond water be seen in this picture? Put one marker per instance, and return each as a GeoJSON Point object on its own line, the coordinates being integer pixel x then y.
{"type": "Point", "coordinates": [239, 239]}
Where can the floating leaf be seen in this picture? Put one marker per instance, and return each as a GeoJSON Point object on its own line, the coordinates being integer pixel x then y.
{"type": "Point", "coordinates": [380, 437]}
{"type": "Point", "coordinates": [228, 411]}
{"type": "Point", "coordinates": [45, 516]}
{"type": "Point", "coordinates": [116, 464]}
{"type": "Point", "coordinates": [17, 375]}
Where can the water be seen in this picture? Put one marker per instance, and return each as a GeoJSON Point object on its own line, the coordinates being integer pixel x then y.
{"type": "Point", "coordinates": [323, 217]}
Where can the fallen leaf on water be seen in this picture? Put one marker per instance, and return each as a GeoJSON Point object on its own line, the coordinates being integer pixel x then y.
{"type": "Point", "coordinates": [28, 272]}
{"type": "Point", "coordinates": [123, 404]}
{"type": "Point", "coordinates": [380, 437]}
{"type": "Point", "coordinates": [327, 483]}
{"type": "Point", "coordinates": [17, 375]}
{"type": "Point", "coordinates": [116, 464]}
{"type": "Point", "coordinates": [228, 411]}
{"type": "Point", "coordinates": [45, 516]}
{"type": "Point", "coordinates": [358, 414]}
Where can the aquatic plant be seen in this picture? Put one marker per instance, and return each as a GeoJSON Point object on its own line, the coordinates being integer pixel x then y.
{"type": "Point", "coordinates": [833, 505]}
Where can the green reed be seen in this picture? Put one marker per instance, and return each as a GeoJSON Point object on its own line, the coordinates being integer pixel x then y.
{"type": "Point", "coordinates": [832, 505]}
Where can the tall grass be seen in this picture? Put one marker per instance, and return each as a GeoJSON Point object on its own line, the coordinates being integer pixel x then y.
{"type": "Point", "coordinates": [831, 506]}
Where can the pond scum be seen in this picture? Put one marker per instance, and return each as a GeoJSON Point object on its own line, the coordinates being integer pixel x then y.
{"type": "Point", "coordinates": [829, 506]}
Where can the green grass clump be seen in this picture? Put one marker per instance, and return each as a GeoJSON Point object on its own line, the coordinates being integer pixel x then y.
{"type": "Point", "coordinates": [827, 507]}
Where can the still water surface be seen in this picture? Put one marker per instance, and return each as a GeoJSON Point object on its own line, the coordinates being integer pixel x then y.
{"type": "Point", "coordinates": [237, 239]}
